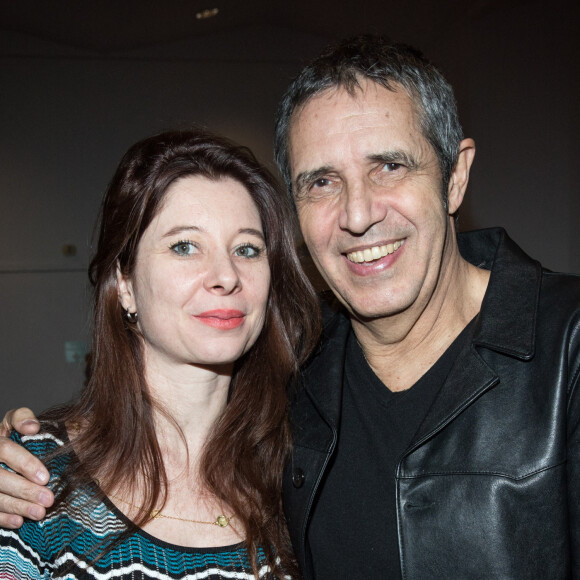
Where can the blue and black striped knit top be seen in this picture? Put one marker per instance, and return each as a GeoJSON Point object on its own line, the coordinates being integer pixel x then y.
{"type": "Point", "coordinates": [87, 538]}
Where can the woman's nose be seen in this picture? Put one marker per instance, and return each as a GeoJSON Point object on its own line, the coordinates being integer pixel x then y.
{"type": "Point", "coordinates": [222, 276]}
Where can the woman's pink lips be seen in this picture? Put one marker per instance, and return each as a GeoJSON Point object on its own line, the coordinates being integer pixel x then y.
{"type": "Point", "coordinates": [224, 319]}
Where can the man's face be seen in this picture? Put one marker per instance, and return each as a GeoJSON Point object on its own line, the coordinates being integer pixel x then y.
{"type": "Point", "coordinates": [368, 191]}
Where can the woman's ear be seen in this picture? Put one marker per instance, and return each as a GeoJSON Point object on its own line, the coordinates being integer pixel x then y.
{"type": "Point", "coordinates": [125, 291]}
{"type": "Point", "coordinates": [460, 175]}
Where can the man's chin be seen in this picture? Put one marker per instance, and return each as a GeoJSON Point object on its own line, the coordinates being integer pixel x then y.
{"type": "Point", "coordinates": [368, 313]}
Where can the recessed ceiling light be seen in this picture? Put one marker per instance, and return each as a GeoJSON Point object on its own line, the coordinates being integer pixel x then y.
{"type": "Point", "coordinates": [207, 13]}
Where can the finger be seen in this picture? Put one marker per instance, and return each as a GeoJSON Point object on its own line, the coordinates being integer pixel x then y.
{"type": "Point", "coordinates": [6, 426]}
{"type": "Point", "coordinates": [22, 420]}
{"type": "Point", "coordinates": [31, 511]}
{"type": "Point", "coordinates": [21, 461]}
{"type": "Point", "coordinates": [22, 498]}
{"type": "Point", "coordinates": [10, 521]}
{"type": "Point", "coordinates": [16, 493]}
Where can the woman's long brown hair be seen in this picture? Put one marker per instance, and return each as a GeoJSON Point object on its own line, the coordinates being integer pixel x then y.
{"type": "Point", "coordinates": [245, 453]}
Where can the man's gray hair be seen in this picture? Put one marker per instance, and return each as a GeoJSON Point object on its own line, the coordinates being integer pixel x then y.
{"type": "Point", "coordinates": [388, 64]}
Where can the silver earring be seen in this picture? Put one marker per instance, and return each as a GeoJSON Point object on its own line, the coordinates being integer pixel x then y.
{"type": "Point", "coordinates": [131, 317]}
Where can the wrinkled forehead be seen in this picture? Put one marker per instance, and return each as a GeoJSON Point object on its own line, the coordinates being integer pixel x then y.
{"type": "Point", "coordinates": [338, 119]}
{"type": "Point", "coordinates": [342, 101]}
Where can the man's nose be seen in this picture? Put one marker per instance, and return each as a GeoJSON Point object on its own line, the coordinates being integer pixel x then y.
{"type": "Point", "coordinates": [361, 208]}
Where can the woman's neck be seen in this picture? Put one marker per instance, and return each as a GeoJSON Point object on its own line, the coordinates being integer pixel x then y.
{"type": "Point", "coordinates": [189, 401]}
{"type": "Point", "coordinates": [190, 397]}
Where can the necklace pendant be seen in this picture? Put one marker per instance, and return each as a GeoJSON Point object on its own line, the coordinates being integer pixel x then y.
{"type": "Point", "coordinates": [222, 521]}
{"type": "Point", "coordinates": [155, 514]}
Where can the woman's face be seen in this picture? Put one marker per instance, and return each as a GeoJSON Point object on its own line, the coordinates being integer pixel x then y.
{"type": "Point", "coordinates": [201, 279]}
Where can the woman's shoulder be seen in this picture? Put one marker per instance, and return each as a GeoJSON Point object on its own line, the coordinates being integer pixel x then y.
{"type": "Point", "coordinates": [50, 438]}
{"type": "Point", "coordinates": [49, 445]}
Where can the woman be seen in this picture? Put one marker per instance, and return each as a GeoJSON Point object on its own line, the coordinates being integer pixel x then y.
{"type": "Point", "coordinates": [169, 464]}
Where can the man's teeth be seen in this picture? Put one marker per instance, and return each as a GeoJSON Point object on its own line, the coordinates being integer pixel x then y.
{"type": "Point", "coordinates": [374, 253]}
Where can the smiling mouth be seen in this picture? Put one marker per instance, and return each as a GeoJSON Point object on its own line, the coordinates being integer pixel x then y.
{"type": "Point", "coordinates": [374, 253]}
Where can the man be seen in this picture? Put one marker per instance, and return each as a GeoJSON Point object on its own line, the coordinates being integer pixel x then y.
{"type": "Point", "coordinates": [436, 430]}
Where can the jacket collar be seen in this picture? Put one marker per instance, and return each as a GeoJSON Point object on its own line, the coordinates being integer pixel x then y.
{"type": "Point", "coordinates": [507, 320]}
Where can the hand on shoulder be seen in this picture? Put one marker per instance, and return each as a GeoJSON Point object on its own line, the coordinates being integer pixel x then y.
{"type": "Point", "coordinates": [22, 491]}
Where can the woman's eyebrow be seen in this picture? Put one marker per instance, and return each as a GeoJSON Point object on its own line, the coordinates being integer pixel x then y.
{"type": "Point", "coordinates": [252, 231]}
{"type": "Point", "coordinates": [183, 228]}
{"type": "Point", "coordinates": [180, 229]}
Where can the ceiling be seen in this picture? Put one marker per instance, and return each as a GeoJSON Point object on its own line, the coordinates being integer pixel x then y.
{"type": "Point", "coordinates": [109, 26]}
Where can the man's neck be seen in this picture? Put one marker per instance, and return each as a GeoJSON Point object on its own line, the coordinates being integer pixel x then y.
{"type": "Point", "coordinates": [402, 347]}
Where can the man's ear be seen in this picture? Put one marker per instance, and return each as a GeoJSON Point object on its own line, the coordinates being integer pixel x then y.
{"type": "Point", "coordinates": [460, 175]}
{"type": "Point", "coordinates": [125, 291]}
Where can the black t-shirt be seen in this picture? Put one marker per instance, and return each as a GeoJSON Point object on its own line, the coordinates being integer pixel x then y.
{"type": "Point", "coordinates": [353, 530]}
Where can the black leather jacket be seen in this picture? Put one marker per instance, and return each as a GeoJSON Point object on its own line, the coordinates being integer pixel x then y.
{"type": "Point", "coordinates": [490, 486]}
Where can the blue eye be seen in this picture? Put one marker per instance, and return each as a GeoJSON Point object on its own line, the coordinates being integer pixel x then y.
{"type": "Point", "coordinates": [247, 251]}
{"type": "Point", "coordinates": [183, 248]}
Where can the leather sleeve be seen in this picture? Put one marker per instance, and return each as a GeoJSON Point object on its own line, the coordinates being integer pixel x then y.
{"type": "Point", "coordinates": [573, 466]}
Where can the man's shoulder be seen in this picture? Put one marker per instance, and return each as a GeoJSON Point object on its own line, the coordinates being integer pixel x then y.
{"type": "Point", "coordinates": [517, 277]}
{"type": "Point", "coordinates": [559, 299]}
{"type": "Point", "coordinates": [566, 283]}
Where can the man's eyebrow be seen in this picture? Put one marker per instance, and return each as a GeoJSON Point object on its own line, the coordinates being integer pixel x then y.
{"type": "Point", "coordinates": [306, 177]}
{"type": "Point", "coordinates": [394, 156]}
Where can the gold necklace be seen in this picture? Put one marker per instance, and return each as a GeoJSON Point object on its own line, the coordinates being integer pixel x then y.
{"type": "Point", "coordinates": [221, 521]}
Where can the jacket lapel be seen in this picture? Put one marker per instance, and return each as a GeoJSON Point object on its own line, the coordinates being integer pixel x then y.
{"type": "Point", "coordinates": [469, 378]}
{"type": "Point", "coordinates": [503, 325]}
